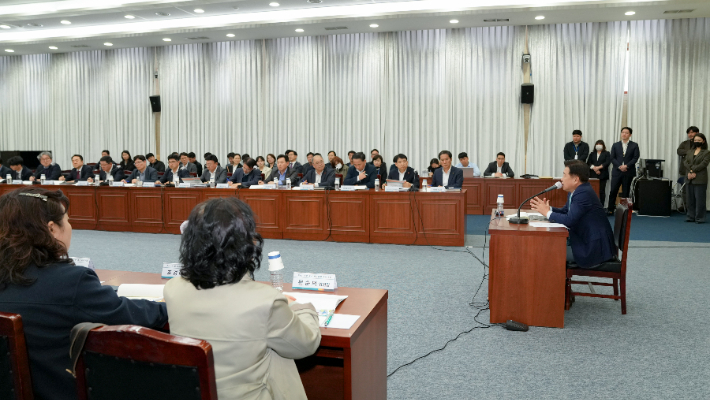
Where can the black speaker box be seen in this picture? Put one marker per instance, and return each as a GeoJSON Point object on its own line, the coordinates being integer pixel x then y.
{"type": "Point", "coordinates": [155, 103]}
{"type": "Point", "coordinates": [527, 93]}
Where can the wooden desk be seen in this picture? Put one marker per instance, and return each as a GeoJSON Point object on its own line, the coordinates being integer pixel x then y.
{"type": "Point", "coordinates": [349, 364]}
{"type": "Point", "coordinates": [362, 216]}
{"type": "Point", "coordinates": [526, 281]}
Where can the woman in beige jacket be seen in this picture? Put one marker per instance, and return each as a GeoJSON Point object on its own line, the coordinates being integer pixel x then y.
{"type": "Point", "coordinates": [254, 330]}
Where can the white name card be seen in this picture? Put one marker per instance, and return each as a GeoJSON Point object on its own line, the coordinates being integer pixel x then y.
{"type": "Point", "coordinates": [54, 182]}
{"type": "Point", "coordinates": [308, 186]}
{"type": "Point", "coordinates": [438, 189]}
{"type": "Point", "coordinates": [26, 182]}
{"type": "Point", "coordinates": [82, 183]}
{"type": "Point", "coordinates": [171, 270]}
{"type": "Point", "coordinates": [117, 184]}
{"type": "Point", "coordinates": [223, 186]}
{"type": "Point", "coordinates": [184, 185]}
{"type": "Point", "coordinates": [389, 188]}
{"type": "Point", "coordinates": [83, 262]}
{"type": "Point", "coordinates": [319, 282]}
{"type": "Point", "coordinates": [348, 188]}
{"type": "Point", "coordinates": [271, 186]}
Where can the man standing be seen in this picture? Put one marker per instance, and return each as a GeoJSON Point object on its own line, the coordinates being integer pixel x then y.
{"type": "Point", "coordinates": [361, 172]}
{"type": "Point", "coordinates": [576, 149]}
{"type": "Point", "coordinates": [448, 175]}
{"type": "Point", "coordinates": [49, 169]}
{"type": "Point", "coordinates": [154, 163]}
{"type": "Point", "coordinates": [80, 172]}
{"type": "Point", "coordinates": [499, 168]}
{"type": "Point", "coordinates": [212, 168]}
{"type": "Point", "coordinates": [319, 175]}
{"type": "Point", "coordinates": [186, 164]}
{"type": "Point", "coordinates": [624, 155]}
{"type": "Point", "coordinates": [465, 163]}
{"type": "Point", "coordinates": [143, 172]}
{"type": "Point", "coordinates": [683, 149]}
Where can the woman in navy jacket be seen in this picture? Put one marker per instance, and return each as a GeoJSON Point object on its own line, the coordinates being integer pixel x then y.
{"type": "Point", "coordinates": [39, 282]}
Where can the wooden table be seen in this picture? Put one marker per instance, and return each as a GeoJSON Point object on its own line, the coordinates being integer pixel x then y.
{"type": "Point", "coordinates": [362, 216]}
{"type": "Point", "coordinates": [526, 281]}
{"type": "Point", "coordinates": [482, 193]}
{"type": "Point", "coordinates": [349, 364]}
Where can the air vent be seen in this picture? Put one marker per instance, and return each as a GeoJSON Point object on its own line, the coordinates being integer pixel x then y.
{"type": "Point", "coordinates": [315, 1]}
{"type": "Point", "coordinates": [34, 25]}
{"type": "Point", "coordinates": [77, 46]}
{"type": "Point", "coordinates": [336, 28]}
{"type": "Point", "coordinates": [497, 20]}
{"type": "Point", "coordinates": [198, 38]}
{"type": "Point", "coordinates": [678, 11]}
{"type": "Point", "coordinates": [162, 14]}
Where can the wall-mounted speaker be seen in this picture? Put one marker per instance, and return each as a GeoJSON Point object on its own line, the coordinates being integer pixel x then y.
{"type": "Point", "coordinates": [527, 93]}
{"type": "Point", "coordinates": [155, 103]}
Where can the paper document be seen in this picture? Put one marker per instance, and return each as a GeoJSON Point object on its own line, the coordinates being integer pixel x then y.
{"type": "Point", "coordinates": [546, 225]}
{"type": "Point", "coordinates": [325, 304]}
{"type": "Point", "coordinates": [139, 291]}
{"type": "Point", "coordinates": [342, 321]}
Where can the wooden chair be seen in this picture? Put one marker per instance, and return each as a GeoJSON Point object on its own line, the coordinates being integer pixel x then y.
{"type": "Point", "coordinates": [300, 175]}
{"type": "Point", "coordinates": [614, 269]}
{"type": "Point", "coordinates": [339, 176]}
{"type": "Point", "coordinates": [15, 382]}
{"type": "Point", "coordinates": [161, 173]}
{"type": "Point", "coordinates": [193, 174]}
{"type": "Point", "coordinates": [132, 362]}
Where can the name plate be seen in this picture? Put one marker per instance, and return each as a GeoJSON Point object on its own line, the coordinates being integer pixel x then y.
{"type": "Point", "coordinates": [83, 262]}
{"type": "Point", "coordinates": [348, 188]}
{"type": "Point", "coordinates": [308, 186]}
{"type": "Point", "coordinates": [223, 186]}
{"type": "Point", "coordinates": [82, 183]}
{"type": "Point", "coordinates": [389, 188]}
{"type": "Point", "coordinates": [271, 186]}
{"type": "Point", "coordinates": [171, 270]}
{"type": "Point", "coordinates": [54, 182]}
{"type": "Point", "coordinates": [26, 182]}
{"type": "Point", "coordinates": [117, 184]}
{"type": "Point", "coordinates": [184, 185]}
{"type": "Point", "coordinates": [319, 282]}
{"type": "Point", "coordinates": [438, 189]}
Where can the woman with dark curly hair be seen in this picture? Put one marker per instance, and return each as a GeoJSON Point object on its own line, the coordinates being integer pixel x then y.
{"type": "Point", "coordinates": [255, 331]}
{"type": "Point", "coordinates": [39, 281]}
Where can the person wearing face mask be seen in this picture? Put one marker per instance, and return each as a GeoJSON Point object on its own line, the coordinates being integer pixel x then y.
{"type": "Point", "coordinates": [696, 164]}
{"type": "Point", "coordinates": [598, 163]}
{"type": "Point", "coordinates": [683, 149]}
{"type": "Point", "coordinates": [338, 165]}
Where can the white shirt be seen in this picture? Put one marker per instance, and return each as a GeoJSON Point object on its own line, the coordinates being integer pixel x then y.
{"type": "Point", "coordinates": [445, 176]}
{"type": "Point", "coordinates": [176, 178]}
{"type": "Point", "coordinates": [500, 170]}
{"type": "Point", "coordinates": [401, 174]}
{"type": "Point", "coordinates": [624, 146]}
{"type": "Point", "coordinates": [318, 176]}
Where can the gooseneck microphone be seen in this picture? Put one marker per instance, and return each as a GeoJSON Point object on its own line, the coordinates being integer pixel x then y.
{"type": "Point", "coordinates": [517, 219]}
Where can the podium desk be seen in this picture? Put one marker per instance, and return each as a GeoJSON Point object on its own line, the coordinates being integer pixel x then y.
{"type": "Point", "coordinates": [349, 364]}
{"type": "Point", "coordinates": [526, 281]}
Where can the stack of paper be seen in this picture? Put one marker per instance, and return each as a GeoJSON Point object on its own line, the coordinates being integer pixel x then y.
{"type": "Point", "coordinates": [325, 304]}
{"type": "Point", "coordinates": [139, 291]}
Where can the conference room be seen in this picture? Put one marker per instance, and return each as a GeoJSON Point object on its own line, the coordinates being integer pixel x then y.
{"type": "Point", "coordinates": [353, 200]}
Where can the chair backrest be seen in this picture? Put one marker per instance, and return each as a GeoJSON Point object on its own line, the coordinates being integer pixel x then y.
{"type": "Point", "coordinates": [161, 173]}
{"type": "Point", "coordinates": [262, 176]}
{"type": "Point", "coordinates": [15, 382]}
{"type": "Point", "coordinates": [300, 175]}
{"type": "Point", "coordinates": [132, 362]}
{"type": "Point", "coordinates": [378, 176]}
{"type": "Point", "coordinates": [193, 174]}
{"type": "Point", "coordinates": [339, 176]}
{"type": "Point", "coordinates": [622, 227]}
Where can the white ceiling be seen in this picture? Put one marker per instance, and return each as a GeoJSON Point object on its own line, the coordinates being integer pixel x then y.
{"type": "Point", "coordinates": [94, 22]}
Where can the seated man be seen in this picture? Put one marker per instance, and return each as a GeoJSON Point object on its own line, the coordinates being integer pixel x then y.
{"type": "Point", "coordinates": [143, 172]}
{"type": "Point", "coordinates": [281, 172]}
{"type": "Point", "coordinates": [212, 168]}
{"type": "Point", "coordinates": [361, 173]}
{"type": "Point", "coordinates": [174, 173]}
{"type": "Point", "coordinates": [447, 176]}
{"type": "Point", "coordinates": [193, 160]}
{"type": "Point", "coordinates": [154, 163]}
{"type": "Point", "coordinates": [4, 171]}
{"type": "Point", "coordinates": [293, 161]}
{"type": "Point", "coordinates": [499, 168]}
{"type": "Point", "coordinates": [246, 176]}
{"type": "Point", "coordinates": [465, 163]}
{"type": "Point", "coordinates": [80, 172]}
{"type": "Point", "coordinates": [186, 164]}
{"type": "Point", "coordinates": [108, 168]}
{"type": "Point", "coordinates": [319, 175]}
{"type": "Point", "coordinates": [20, 171]}
{"type": "Point", "coordinates": [48, 168]}
{"type": "Point", "coordinates": [404, 173]}
{"type": "Point", "coordinates": [591, 240]}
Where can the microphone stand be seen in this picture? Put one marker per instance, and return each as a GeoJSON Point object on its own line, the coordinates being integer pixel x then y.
{"type": "Point", "coordinates": [517, 219]}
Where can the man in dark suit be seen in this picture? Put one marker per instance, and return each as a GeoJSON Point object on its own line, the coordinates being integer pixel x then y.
{"type": "Point", "coordinates": [48, 168]}
{"type": "Point", "coordinates": [576, 149]}
{"type": "Point", "coordinates": [403, 172]}
{"type": "Point", "coordinates": [447, 176]}
{"type": "Point", "coordinates": [193, 159]}
{"type": "Point", "coordinates": [247, 175]}
{"type": "Point", "coordinates": [361, 173]}
{"type": "Point", "coordinates": [143, 172]}
{"type": "Point", "coordinates": [212, 168]}
{"type": "Point", "coordinates": [350, 158]}
{"type": "Point", "coordinates": [174, 173]}
{"type": "Point", "coordinates": [20, 172]}
{"type": "Point", "coordinates": [293, 162]}
{"type": "Point", "coordinates": [624, 155]}
{"type": "Point", "coordinates": [108, 168]}
{"type": "Point", "coordinates": [281, 172]}
{"type": "Point", "coordinates": [309, 165]}
{"type": "Point", "coordinates": [186, 164]}
{"type": "Point", "coordinates": [319, 175]}
{"type": "Point", "coordinates": [80, 172]}
{"type": "Point", "coordinates": [591, 240]}
{"type": "Point", "coordinates": [4, 170]}
{"type": "Point", "coordinates": [499, 168]}
{"type": "Point", "coordinates": [154, 163]}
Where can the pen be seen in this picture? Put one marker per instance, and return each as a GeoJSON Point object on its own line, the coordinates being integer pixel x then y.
{"type": "Point", "coordinates": [329, 318]}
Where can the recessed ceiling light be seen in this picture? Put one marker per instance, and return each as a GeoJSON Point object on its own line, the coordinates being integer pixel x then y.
{"type": "Point", "coordinates": [235, 7]}
{"type": "Point", "coordinates": [199, 10]}
{"type": "Point", "coordinates": [299, 30]}
{"type": "Point", "coordinates": [10, 50]}
{"type": "Point", "coordinates": [274, 4]}
{"type": "Point", "coordinates": [65, 22]}
{"type": "Point", "coordinates": [109, 44]}
{"type": "Point", "coordinates": [53, 47]}
{"type": "Point", "coordinates": [162, 14]}
{"type": "Point", "coordinates": [34, 25]}
{"type": "Point", "coordinates": [129, 16]}
{"type": "Point", "coordinates": [630, 12]}
{"type": "Point", "coordinates": [5, 27]}
{"type": "Point", "coordinates": [167, 39]}
{"type": "Point", "coordinates": [454, 21]}
{"type": "Point", "coordinates": [374, 26]}
{"type": "Point", "coordinates": [539, 17]}
{"type": "Point", "coordinates": [230, 35]}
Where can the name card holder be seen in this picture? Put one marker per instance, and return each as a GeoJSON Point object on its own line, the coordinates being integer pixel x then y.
{"type": "Point", "coordinates": [348, 188]}
{"type": "Point", "coordinates": [117, 184]}
{"type": "Point", "coordinates": [270, 186]}
{"type": "Point", "coordinates": [171, 270]}
{"type": "Point", "coordinates": [82, 183]}
{"type": "Point", "coordinates": [438, 189]}
{"type": "Point", "coordinates": [318, 282]}
{"type": "Point", "coordinates": [184, 185]}
{"type": "Point", "coordinates": [223, 186]}
{"type": "Point", "coordinates": [83, 262]}
{"type": "Point", "coordinates": [307, 186]}
{"type": "Point", "coordinates": [389, 188]}
{"type": "Point", "coordinates": [26, 182]}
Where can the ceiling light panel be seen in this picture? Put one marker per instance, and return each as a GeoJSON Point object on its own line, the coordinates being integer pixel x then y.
{"type": "Point", "coordinates": [49, 7]}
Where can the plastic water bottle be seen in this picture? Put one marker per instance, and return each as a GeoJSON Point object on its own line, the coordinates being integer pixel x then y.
{"type": "Point", "coordinates": [377, 185]}
{"type": "Point", "coordinates": [337, 183]}
{"type": "Point", "coordinates": [276, 267]}
{"type": "Point", "coordinates": [288, 183]}
{"type": "Point", "coordinates": [8, 178]}
{"type": "Point", "coordinates": [42, 179]}
{"type": "Point", "coordinates": [212, 183]}
{"type": "Point", "coordinates": [499, 209]}
{"type": "Point", "coordinates": [424, 186]}
{"type": "Point", "coordinates": [96, 179]}
{"type": "Point", "coordinates": [110, 179]}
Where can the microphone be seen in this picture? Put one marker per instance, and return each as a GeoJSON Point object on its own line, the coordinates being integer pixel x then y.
{"type": "Point", "coordinates": [517, 219]}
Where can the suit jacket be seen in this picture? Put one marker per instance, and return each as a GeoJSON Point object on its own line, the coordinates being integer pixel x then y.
{"type": "Point", "coordinates": [198, 168]}
{"type": "Point", "coordinates": [455, 178]}
{"type": "Point", "coordinates": [231, 168]}
{"type": "Point", "coordinates": [603, 159]}
{"type": "Point", "coordinates": [151, 175]}
{"type": "Point", "coordinates": [126, 165]}
{"type": "Point", "coordinates": [582, 151]}
{"type": "Point", "coordinates": [290, 173]}
{"type": "Point", "coordinates": [383, 171]}
{"type": "Point", "coordinates": [85, 173]}
{"type": "Point", "coordinates": [23, 175]}
{"type": "Point", "coordinates": [590, 234]}
{"type": "Point", "coordinates": [158, 166]}
{"type": "Point", "coordinates": [683, 149]}
{"type": "Point", "coordinates": [630, 159]}
{"type": "Point", "coordinates": [4, 171]}
{"type": "Point", "coordinates": [190, 167]}
{"type": "Point", "coordinates": [62, 296]}
{"type": "Point", "coordinates": [52, 173]}
{"type": "Point", "coordinates": [220, 175]}
{"type": "Point", "coordinates": [493, 168]}
{"type": "Point", "coordinates": [116, 171]}
{"type": "Point", "coordinates": [699, 165]}
{"type": "Point", "coordinates": [327, 177]}
{"type": "Point", "coordinates": [410, 176]}
{"type": "Point", "coordinates": [296, 166]}
{"type": "Point", "coordinates": [306, 167]}
{"type": "Point", "coordinates": [252, 178]}
{"type": "Point", "coordinates": [168, 175]}
{"type": "Point", "coordinates": [254, 340]}
{"type": "Point", "coordinates": [369, 181]}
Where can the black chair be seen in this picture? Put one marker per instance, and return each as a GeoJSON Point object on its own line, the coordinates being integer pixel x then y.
{"type": "Point", "coordinates": [15, 381]}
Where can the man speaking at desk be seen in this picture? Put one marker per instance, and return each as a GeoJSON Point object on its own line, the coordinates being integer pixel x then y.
{"type": "Point", "coordinates": [591, 241]}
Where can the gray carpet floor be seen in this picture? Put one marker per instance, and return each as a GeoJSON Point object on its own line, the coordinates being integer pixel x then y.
{"type": "Point", "coordinates": [659, 350]}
